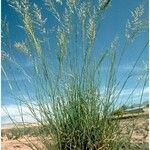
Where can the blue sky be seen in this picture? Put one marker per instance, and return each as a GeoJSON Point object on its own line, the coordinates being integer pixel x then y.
{"type": "Point", "coordinates": [113, 24]}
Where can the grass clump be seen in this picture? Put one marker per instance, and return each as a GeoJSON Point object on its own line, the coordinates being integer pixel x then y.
{"type": "Point", "coordinates": [69, 103]}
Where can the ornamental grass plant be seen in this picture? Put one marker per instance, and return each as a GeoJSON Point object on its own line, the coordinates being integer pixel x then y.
{"type": "Point", "coordinates": [75, 94]}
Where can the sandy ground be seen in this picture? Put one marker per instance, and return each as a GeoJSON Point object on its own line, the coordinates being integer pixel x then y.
{"type": "Point", "coordinates": [19, 145]}
{"type": "Point", "coordinates": [140, 136]}
{"type": "Point", "coordinates": [141, 129]}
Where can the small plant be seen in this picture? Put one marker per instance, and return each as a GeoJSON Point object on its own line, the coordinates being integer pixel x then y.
{"type": "Point", "coordinates": [118, 112]}
{"type": "Point", "coordinates": [69, 104]}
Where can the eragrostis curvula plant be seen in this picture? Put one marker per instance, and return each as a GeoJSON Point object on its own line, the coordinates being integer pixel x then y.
{"type": "Point", "coordinates": [70, 105]}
